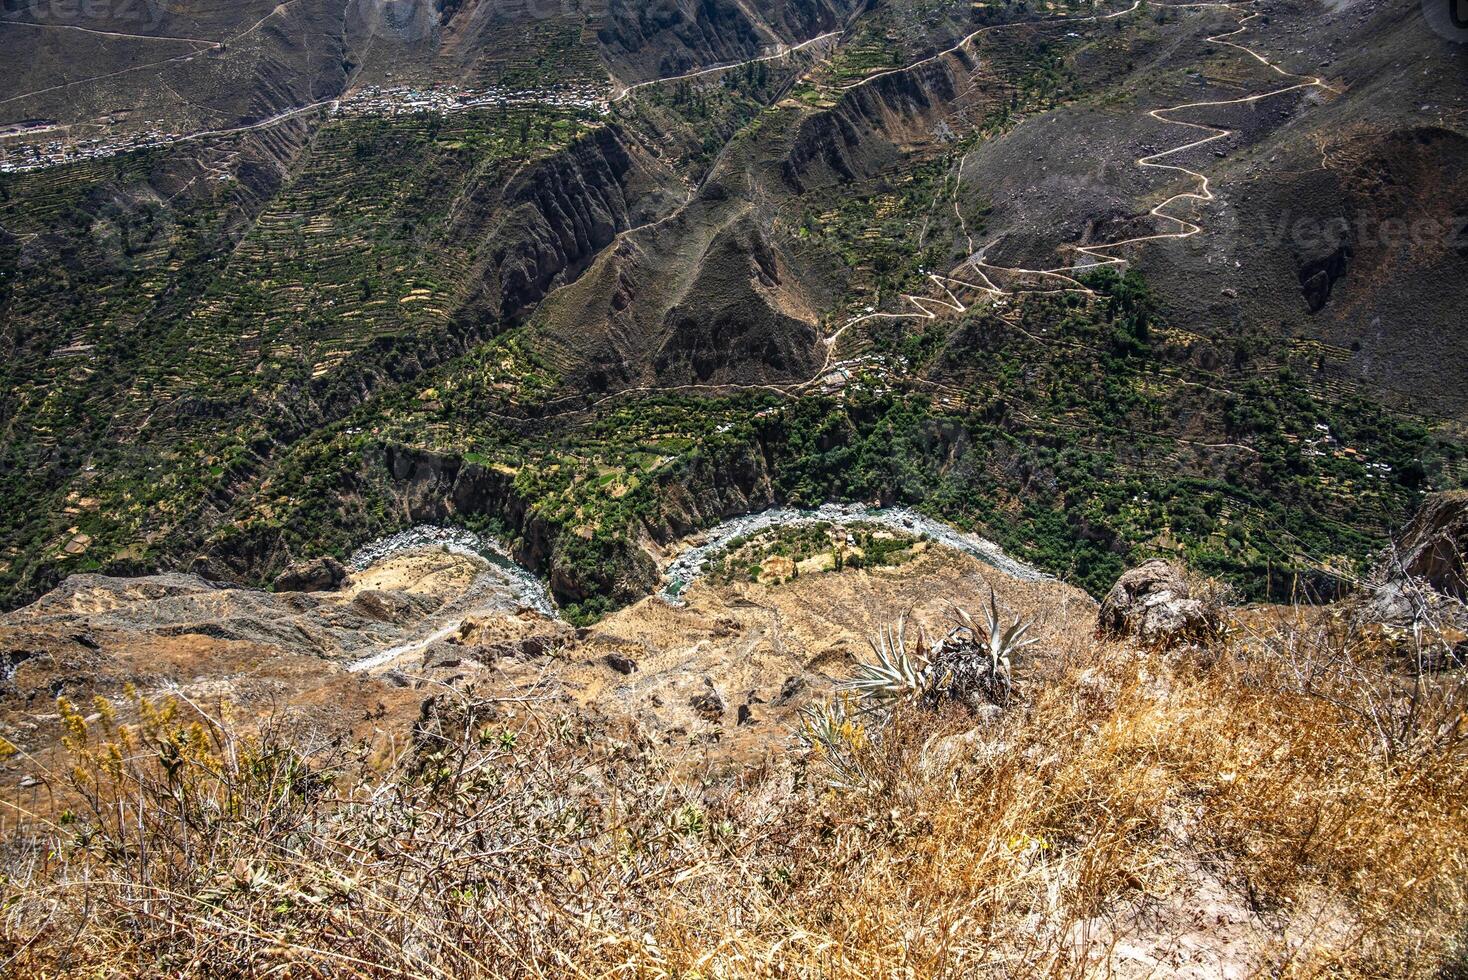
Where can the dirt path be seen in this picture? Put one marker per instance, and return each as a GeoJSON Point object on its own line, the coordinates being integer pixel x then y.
{"type": "Point", "coordinates": [782, 50]}
{"type": "Point", "coordinates": [928, 306]}
{"type": "Point", "coordinates": [949, 285]}
{"type": "Point", "coordinates": [209, 45]}
{"type": "Point", "coordinates": [207, 42]}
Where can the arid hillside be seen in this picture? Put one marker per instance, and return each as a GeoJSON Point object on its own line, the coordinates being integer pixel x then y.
{"type": "Point", "coordinates": [862, 753]}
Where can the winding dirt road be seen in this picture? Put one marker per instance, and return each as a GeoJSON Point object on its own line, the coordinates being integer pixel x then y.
{"type": "Point", "coordinates": [927, 307]}
{"type": "Point", "coordinates": [950, 285]}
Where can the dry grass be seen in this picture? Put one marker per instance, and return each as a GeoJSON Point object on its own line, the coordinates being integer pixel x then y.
{"type": "Point", "coordinates": [1119, 797]}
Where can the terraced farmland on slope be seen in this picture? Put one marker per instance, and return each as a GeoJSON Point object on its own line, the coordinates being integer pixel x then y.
{"type": "Point", "coordinates": [370, 239]}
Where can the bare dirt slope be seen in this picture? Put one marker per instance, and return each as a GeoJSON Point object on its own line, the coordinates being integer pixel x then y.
{"type": "Point", "coordinates": [728, 672]}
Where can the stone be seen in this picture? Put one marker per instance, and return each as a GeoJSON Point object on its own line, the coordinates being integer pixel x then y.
{"type": "Point", "coordinates": [443, 655]}
{"type": "Point", "coordinates": [792, 687]}
{"type": "Point", "coordinates": [1414, 599]}
{"type": "Point", "coordinates": [1153, 605]}
{"type": "Point", "coordinates": [316, 575]}
{"type": "Point", "coordinates": [709, 706]}
{"type": "Point", "coordinates": [385, 607]}
{"type": "Point", "coordinates": [1433, 545]}
{"type": "Point", "coordinates": [620, 662]}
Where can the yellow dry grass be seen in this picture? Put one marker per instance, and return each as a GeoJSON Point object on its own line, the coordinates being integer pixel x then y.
{"type": "Point", "coordinates": [1286, 802]}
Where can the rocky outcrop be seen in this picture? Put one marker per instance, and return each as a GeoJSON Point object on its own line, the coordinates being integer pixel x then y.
{"type": "Point", "coordinates": [1318, 276]}
{"type": "Point", "coordinates": [1153, 604]}
{"type": "Point", "coordinates": [436, 487]}
{"type": "Point", "coordinates": [731, 327]}
{"type": "Point", "coordinates": [864, 133]}
{"type": "Point", "coordinates": [316, 575]}
{"type": "Point", "coordinates": [1433, 545]}
{"type": "Point", "coordinates": [1416, 599]}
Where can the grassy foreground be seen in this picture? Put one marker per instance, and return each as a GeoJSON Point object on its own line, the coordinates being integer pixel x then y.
{"type": "Point", "coordinates": [1285, 800]}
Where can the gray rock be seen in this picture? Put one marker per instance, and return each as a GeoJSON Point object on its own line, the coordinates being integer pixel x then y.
{"type": "Point", "coordinates": [316, 575]}
{"type": "Point", "coordinates": [1414, 600]}
{"type": "Point", "coordinates": [620, 662]}
{"type": "Point", "coordinates": [1153, 605]}
{"type": "Point", "coordinates": [385, 607]}
{"type": "Point", "coordinates": [1433, 545]}
{"type": "Point", "coordinates": [443, 655]}
{"type": "Point", "coordinates": [709, 706]}
{"type": "Point", "coordinates": [941, 755]}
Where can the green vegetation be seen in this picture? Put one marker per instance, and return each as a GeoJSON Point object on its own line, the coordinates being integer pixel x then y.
{"type": "Point", "coordinates": [170, 330]}
{"type": "Point", "coordinates": [1070, 444]}
{"type": "Point", "coordinates": [1070, 448]}
{"type": "Point", "coordinates": [803, 549]}
{"type": "Point", "coordinates": [700, 116]}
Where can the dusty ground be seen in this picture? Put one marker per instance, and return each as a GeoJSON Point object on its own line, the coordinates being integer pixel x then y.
{"type": "Point", "coordinates": [1144, 815]}
{"type": "Point", "coordinates": [726, 673]}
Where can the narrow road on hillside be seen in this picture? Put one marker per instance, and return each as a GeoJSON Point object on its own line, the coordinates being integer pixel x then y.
{"type": "Point", "coordinates": [212, 45]}
{"type": "Point", "coordinates": [782, 51]}
{"type": "Point", "coordinates": [114, 34]}
{"type": "Point", "coordinates": [928, 307]}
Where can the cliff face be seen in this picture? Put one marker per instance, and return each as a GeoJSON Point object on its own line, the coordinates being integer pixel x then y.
{"type": "Point", "coordinates": [864, 134]}
{"type": "Point", "coordinates": [717, 293]}
{"type": "Point", "coordinates": [434, 488]}
{"type": "Point", "coordinates": [560, 214]}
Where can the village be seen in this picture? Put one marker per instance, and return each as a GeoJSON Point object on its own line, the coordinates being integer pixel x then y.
{"type": "Point", "coordinates": [18, 156]}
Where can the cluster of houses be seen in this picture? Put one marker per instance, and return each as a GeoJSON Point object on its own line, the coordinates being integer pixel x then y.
{"type": "Point", "coordinates": [1324, 444]}
{"type": "Point", "coordinates": [371, 100]}
{"type": "Point", "coordinates": [20, 157]}
{"type": "Point", "coordinates": [400, 100]}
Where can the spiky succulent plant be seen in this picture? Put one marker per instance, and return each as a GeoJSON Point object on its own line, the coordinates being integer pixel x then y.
{"type": "Point", "coordinates": [896, 674]}
{"type": "Point", "coordinates": [992, 643]}
{"type": "Point", "coordinates": [972, 663]}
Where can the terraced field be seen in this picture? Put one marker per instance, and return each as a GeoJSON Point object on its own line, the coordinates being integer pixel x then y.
{"type": "Point", "coordinates": [851, 263]}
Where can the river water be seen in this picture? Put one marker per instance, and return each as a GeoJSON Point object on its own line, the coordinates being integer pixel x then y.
{"type": "Point", "coordinates": [523, 586]}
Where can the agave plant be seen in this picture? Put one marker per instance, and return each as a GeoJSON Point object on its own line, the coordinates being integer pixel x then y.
{"type": "Point", "coordinates": [896, 674]}
{"type": "Point", "coordinates": [972, 664]}
{"type": "Point", "coordinates": [999, 644]}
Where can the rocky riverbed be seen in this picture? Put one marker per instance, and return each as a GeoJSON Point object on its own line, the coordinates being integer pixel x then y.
{"type": "Point", "coordinates": [521, 584]}
{"type": "Point", "coordinates": [689, 565]}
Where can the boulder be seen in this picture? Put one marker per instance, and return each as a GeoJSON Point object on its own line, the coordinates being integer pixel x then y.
{"type": "Point", "coordinates": [620, 662]}
{"type": "Point", "coordinates": [316, 575]}
{"type": "Point", "coordinates": [1416, 599]}
{"type": "Point", "coordinates": [385, 607]}
{"type": "Point", "coordinates": [710, 706]}
{"type": "Point", "coordinates": [1433, 545]}
{"type": "Point", "coordinates": [1153, 604]}
{"type": "Point", "coordinates": [443, 655]}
